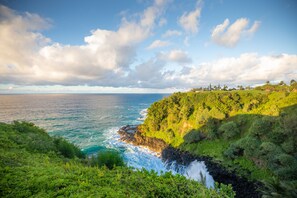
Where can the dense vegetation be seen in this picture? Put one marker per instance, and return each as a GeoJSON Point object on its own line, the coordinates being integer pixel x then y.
{"type": "Point", "coordinates": [253, 132]}
{"type": "Point", "coordinates": [33, 164]}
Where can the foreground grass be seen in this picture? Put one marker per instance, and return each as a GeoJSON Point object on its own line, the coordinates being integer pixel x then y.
{"type": "Point", "coordinates": [32, 164]}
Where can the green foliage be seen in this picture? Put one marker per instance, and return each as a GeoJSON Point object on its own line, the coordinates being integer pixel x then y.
{"type": "Point", "coordinates": [278, 188]}
{"type": "Point", "coordinates": [285, 166]}
{"type": "Point", "coordinates": [210, 129]}
{"type": "Point", "coordinates": [229, 130]}
{"type": "Point", "coordinates": [260, 127]}
{"type": "Point", "coordinates": [27, 135]}
{"type": "Point", "coordinates": [108, 158]}
{"type": "Point", "coordinates": [251, 145]}
{"type": "Point", "coordinates": [252, 131]}
{"type": "Point", "coordinates": [40, 172]}
{"type": "Point", "coordinates": [233, 151]}
{"type": "Point", "coordinates": [193, 136]}
{"type": "Point", "coordinates": [67, 149]}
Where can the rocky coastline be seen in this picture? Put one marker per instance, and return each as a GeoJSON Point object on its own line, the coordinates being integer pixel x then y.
{"type": "Point", "coordinates": [132, 135]}
{"type": "Point", "coordinates": [241, 186]}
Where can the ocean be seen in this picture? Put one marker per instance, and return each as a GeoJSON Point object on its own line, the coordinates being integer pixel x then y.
{"type": "Point", "coordinates": [91, 122]}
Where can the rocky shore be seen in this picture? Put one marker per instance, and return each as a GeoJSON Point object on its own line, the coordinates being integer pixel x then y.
{"type": "Point", "coordinates": [132, 135]}
{"type": "Point", "coordinates": [241, 186]}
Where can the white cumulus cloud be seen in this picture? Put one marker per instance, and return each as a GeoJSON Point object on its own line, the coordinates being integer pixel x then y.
{"type": "Point", "coordinates": [248, 69]}
{"type": "Point", "coordinates": [177, 56]}
{"type": "Point", "coordinates": [229, 35]}
{"type": "Point", "coordinates": [170, 33]}
{"type": "Point", "coordinates": [28, 57]}
{"type": "Point", "coordinates": [158, 44]}
{"type": "Point", "coordinates": [189, 21]}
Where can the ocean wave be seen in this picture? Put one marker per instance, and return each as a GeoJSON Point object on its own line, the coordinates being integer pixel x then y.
{"type": "Point", "coordinates": [140, 157]}
{"type": "Point", "coordinates": [143, 114]}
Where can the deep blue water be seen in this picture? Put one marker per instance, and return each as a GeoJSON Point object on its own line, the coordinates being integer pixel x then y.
{"type": "Point", "coordinates": [91, 121]}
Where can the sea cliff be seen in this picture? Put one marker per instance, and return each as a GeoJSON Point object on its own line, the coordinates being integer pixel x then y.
{"type": "Point", "coordinates": [242, 186]}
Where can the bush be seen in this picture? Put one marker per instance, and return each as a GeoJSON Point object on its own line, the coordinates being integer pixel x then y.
{"type": "Point", "coordinates": [241, 120]}
{"type": "Point", "coordinates": [108, 158]}
{"type": "Point", "coordinates": [233, 151]}
{"type": "Point", "coordinates": [31, 137]}
{"type": "Point", "coordinates": [24, 127]}
{"type": "Point", "coordinates": [229, 130]}
{"type": "Point", "coordinates": [260, 127]}
{"type": "Point", "coordinates": [268, 151]}
{"type": "Point", "coordinates": [215, 113]}
{"type": "Point", "coordinates": [250, 145]}
{"type": "Point", "coordinates": [67, 149]}
{"type": "Point", "coordinates": [277, 135]}
{"type": "Point", "coordinates": [211, 128]}
{"type": "Point", "coordinates": [285, 166]}
{"type": "Point", "coordinates": [288, 146]}
{"type": "Point", "coordinates": [193, 136]}
{"type": "Point", "coordinates": [277, 188]}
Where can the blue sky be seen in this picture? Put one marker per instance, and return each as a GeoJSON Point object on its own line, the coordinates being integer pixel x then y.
{"type": "Point", "coordinates": [144, 45]}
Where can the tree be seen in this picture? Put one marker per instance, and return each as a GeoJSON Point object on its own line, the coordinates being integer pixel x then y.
{"type": "Point", "coordinates": [229, 130]}
{"type": "Point", "coordinates": [210, 87]}
{"type": "Point", "coordinates": [281, 83]}
{"type": "Point", "coordinates": [225, 87]}
{"type": "Point", "coordinates": [248, 88]}
{"type": "Point", "coordinates": [267, 82]}
{"type": "Point", "coordinates": [240, 87]}
{"type": "Point", "coordinates": [292, 82]}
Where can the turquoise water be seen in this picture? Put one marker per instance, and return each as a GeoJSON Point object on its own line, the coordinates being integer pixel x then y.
{"type": "Point", "coordinates": [83, 119]}
{"type": "Point", "coordinates": [91, 121]}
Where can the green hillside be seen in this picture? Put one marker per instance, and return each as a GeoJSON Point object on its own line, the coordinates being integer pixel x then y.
{"type": "Point", "coordinates": [253, 132]}
{"type": "Point", "coordinates": [33, 164]}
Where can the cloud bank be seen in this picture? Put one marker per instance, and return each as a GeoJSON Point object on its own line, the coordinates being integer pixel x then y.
{"type": "Point", "coordinates": [247, 69]}
{"type": "Point", "coordinates": [27, 56]}
{"type": "Point", "coordinates": [109, 58]}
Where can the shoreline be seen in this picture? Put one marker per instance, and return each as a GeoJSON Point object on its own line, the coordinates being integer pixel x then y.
{"type": "Point", "coordinates": [242, 186]}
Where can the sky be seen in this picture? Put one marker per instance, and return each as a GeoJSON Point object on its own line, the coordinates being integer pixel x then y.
{"type": "Point", "coordinates": [144, 46]}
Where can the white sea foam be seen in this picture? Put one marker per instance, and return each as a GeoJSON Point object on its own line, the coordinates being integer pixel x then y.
{"type": "Point", "coordinates": [143, 114]}
{"type": "Point", "coordinates": [140, 157]}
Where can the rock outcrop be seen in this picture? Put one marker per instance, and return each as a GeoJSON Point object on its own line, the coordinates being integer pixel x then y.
{"type": "Point", "coordinates": [132, 135]}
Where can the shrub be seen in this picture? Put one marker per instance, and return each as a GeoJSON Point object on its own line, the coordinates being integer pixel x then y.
{"type": "Point", "coordinates": [241, 120]}
{"type": "Point", "coordinates": [290, 123]}
{"type": "Point", "coordinates": [288, 146]}
{"type": "Point", "coordinates": [31, 137]}
{"type": "Point", "coordinates": [193, 136]}
{"type": "Point", "coordinates": [215, 113]}
{"type": "Point", "coordinates": [285, 166]}
{"type": "Point", "coordinates": [229, 130]}
{"type": "Point", "coordinates": [67, 149]}
{"type": "Point", "coordinates": [260, 127]}
{"type": "Point", "coordinates": [109, 158]}
{"type": "Point", "coordinates": [268, 151]}
{"type": "Point", "coordinates": [250, 145]}
{"type": "Point", "coordinates": [277, 188]}
{"type": "Point", "coordinates": [24, 127]}
{"type": "Point", "coordinates": [170, 134]}
{"type": "Point", "coordinates": [210, 128]}
{"type": "Point", "coordinates": [41, 143]}
{"type": "Point", "coordinates": [233, 151]}
{"type": "Point", "coordinates": [277, 135]}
